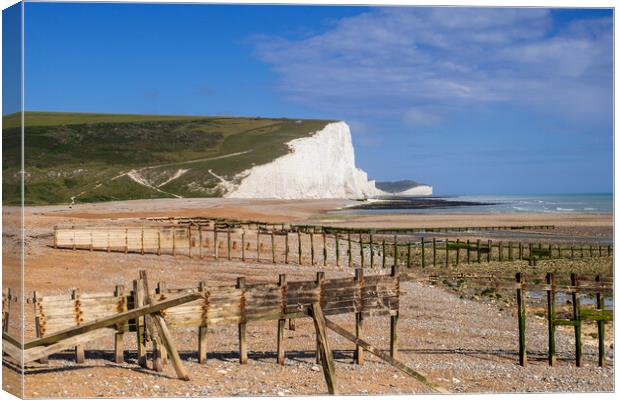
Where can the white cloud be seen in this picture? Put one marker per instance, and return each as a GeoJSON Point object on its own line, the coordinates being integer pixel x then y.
{"type": "Point", "coordinates": [418, 117]}
{"type": "Point", "coordinates": [416, 63]}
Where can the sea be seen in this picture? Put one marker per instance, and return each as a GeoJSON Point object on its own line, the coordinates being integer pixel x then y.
{"type": "Point", "coordinates": [591, 203]}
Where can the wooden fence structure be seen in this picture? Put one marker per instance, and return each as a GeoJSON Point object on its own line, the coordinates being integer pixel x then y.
{"type": "Point", "coordinates": [601, 287]}
{"type": "Point", "coordinates": [404, 231]}
{"type": "Point", "coordinates": [284, 246]}
{"type": "Point", "coordinates": [70, 321]}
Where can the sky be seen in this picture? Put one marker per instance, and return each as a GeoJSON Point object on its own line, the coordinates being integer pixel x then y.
{"type": "Point", "coordinates": [469, 100]}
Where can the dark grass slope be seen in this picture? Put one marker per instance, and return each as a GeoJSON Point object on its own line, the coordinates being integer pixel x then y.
{"type": "Point", "coordinates": [82, 155]}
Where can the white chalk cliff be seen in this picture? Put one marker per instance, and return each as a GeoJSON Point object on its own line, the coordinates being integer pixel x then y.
{"type": "Point", "coordinates": [319, 166]}
{"type": "Point", "coordinates": [420, 190]}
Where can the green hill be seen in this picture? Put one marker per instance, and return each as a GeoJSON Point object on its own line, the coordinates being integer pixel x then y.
{"type": "Point", "coordinates": [101, 157]}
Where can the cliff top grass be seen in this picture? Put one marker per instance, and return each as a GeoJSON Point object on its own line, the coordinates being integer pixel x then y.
{"type": "Point", "coordinates": [88, 157]}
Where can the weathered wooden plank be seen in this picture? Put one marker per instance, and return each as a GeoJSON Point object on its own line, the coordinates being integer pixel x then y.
{"type": "Point", "coordinates": [327, 360]}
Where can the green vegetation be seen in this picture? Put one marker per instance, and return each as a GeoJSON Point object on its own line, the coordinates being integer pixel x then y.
{"type": "Point", "coordinates": [89, 156]}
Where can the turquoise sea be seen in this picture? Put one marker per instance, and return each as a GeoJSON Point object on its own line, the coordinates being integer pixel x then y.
{"type": "Point", "coordinates": [593, 203]}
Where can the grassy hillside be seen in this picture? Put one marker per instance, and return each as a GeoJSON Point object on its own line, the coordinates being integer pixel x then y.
{"type": "Point", "coordinates": [100, 157]}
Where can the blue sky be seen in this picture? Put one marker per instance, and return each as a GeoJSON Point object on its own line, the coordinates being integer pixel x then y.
{"type": "Point", "coordinates": [470, 100]}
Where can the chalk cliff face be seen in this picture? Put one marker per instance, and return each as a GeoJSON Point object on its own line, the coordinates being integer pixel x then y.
{"type": "Point", "coordinates": [319, 166]}
{"type": "Point", "coordinates": [421, 190]}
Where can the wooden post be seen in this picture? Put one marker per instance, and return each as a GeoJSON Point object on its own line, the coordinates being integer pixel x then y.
{"type": "Point", "coordinates": [79, 349]}
{"type": "Point", "coordinates": [600, 250]}
{"type": "Point", "coordinates": [273, 248]}
{"type": "Point", "coordinates": [215, 249]}
{"type": "Point", "coordinates": [258, 245]}
{"type": "Point", "coordinates": [138, 295]}
{"type": "Point", "coordinates": [282, 285]}
{"type": "Point", "coordinates": [120, 328]}
{"type": "Point", "coordinates": [490, 251]}
{"type": "Point", "coordinates": [423, 258]}
{"type": "Point", "coordinates": [609, 250]}
{"type": "Point", "coordinates": [408, 254]}
{"type": "Point", "coordinates": [189, 241]}
{"type": "Point", "coordinates": [520, 251]}
{"type": "Point", "coordinates": [591, 251]}
{"type": "Point", "coordinates": [551, 317]}
{"type": "Point", "coordinates": [326, 357]}
{"type": "Point", "coordinates": [141, 240]}
{"type": "Point", "coordinates": [299, 246]}
{"type": "Point", "coordinates": [574, 280]}
{"type": "Point", "coordinates": [394, 318]}
{"type": "Point", "coordinates": [202, 333]}
{"type": "Point", "coordinates": [359, 321]}
{"type": "Point", "coordinates": [468, 251]}
{"type": "Point", "coordinates": [286, 247]}
{"type": "Point", "coordinates": [243, 344]}
{"type": "Point", "coordinates": [478, 250]}
{"type": "Point", "coordinates": [337, 250]}
{"type": "Point", "coordinates": [600, 304]}
{"type": "Point", "coordinates": [434, 252]}
{"type": "Point", "coordinates": [447, 252]}
{"type": "Point", "coordinates": [311, 249]}
{"type": "Point", "coordinates": [572, 252]}
{"type": "Point", "coordinates": [372, 251]}
{"type": "Point", "coordinates": [361, 251]}
{"type": "Point", "coordinates": [37, 326]}
{"type": "Point", "coordinates": [163, 334]}
{"type": "Point", "coordinates": [383, 251]}
{"type": "Point", "coordinates": [200, 242]}
{"type": "Point", "coordinates": [509, 251]}
{"type": "Point", "coordinates": [163, 351]}
{"type": "Point", "coordinates": [395, 258]}
{"type": "Point", "coordinates": [174, 242]}
{"type": "Point", "coordinates": [320, 278]}
{"type": "Point", "coordinates": [228, 249]}
{"type": "Point", "coordinates": [521, 315]}
{"type": "Point", "coordinates": [324, 249]}
{"type": "Point", "coordinates": [243, 245]}
{"type": "Point", "coordinates": [458, 249]}
{"type": "Point", "coordinates": [350, 250]}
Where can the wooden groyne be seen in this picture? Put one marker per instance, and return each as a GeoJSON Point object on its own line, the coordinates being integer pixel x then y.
{"type": "Point", "coordinates": [73, 320]}
{"type": "Point", "coordinates": [556, 314]}
{"type": "Point", "coordinates": [415, 230]}
{"type": "Point", "coordinates": [277, 245]}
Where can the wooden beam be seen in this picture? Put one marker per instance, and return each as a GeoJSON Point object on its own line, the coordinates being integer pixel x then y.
{"type": "Point", "coordinates": [42, 352]}
{"type": "Point", "coordinates": [359, 319]}
{"type": "Point", "coordinates": [202, 333]}
{"type": "Point", "coordinates": [79, 349]}
{"type": "Point", "coordinates": [327, 359]}
{"type": "Point", "coordinates": [390, 360]}
{"type": "Point", "coordinates": [243, 344]}
{"type": "Point", "coordinates": [281, 322]}
{"type": "Point", "coordinates": [521, 318]}
{"type": "Point", "coordinates": [164, 333]}
{"type": "Point", "coordinates": [138, 296]}
{"type": "Point", "coordinates": [119, 292]}
{"type": "Point", "coordinates": [12, 347]}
